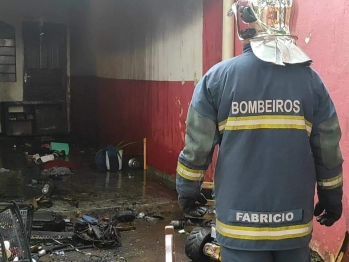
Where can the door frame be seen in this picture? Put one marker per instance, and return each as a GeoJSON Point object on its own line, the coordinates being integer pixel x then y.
{"type": "Point", "coordinates": [65, 72]}
{"type": "Point", "coordinates": [66, 66]}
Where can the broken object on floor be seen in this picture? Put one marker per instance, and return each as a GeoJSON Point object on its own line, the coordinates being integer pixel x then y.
{"type": "Point", "coordinates": [55, 247]}
{"type": "Point", "coordinates": [134, 163]}
{"type": "Point", "coordinates": [125, 216]}
{"type": "Point", "coordinates": [45, 158]}
{"type": "Point", "coordinates": [101, 232]}
{"type": "Point", "coordinates": [48, 221]}
{"type": "Point", "coordinates": [56, 171]}
{"type": "Point", "coordinates": [123, 220]}
{"type": "Point", "coordinates": [149, 217]}
{"type": "Point", "coordinates": [180, 224]}
{"type": "Point", "coordinates": [45, 235]}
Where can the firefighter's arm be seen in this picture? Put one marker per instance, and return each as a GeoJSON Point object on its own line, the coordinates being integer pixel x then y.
{"type": "Point", "coordinates": [325, 137]}
{"type": "Point", "coordinates": [200, 139]}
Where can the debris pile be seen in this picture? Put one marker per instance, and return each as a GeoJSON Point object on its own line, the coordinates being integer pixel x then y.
{"type": "Point", "coordinates": [102, 233]}
{"type": "Point", "coordinates": [56, 236]}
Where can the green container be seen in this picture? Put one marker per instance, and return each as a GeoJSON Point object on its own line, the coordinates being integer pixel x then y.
{"type": "Point", "coordinates": [60, 147]}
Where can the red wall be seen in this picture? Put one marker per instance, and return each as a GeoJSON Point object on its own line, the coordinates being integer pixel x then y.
{"type": "Point", "coordinates": [212, 47]}
{"type": "Point", "coordinates": [156, 110]}
{"type": "Point", "coordinates": [108, 111]}
{"type": "Point", "coordinates": [328, 46]}
{"type": "Point", "coordinates": [111, 110]}
{"type": "Point", "coordinates": [212, 33]}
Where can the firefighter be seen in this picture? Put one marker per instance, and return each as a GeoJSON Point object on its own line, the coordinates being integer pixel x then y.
{"type": "Point", "coordinates": [278, 135]}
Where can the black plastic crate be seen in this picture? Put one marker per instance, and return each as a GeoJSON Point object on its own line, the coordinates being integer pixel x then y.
{"type": "Point", "coordinates": [13, 231]}
{"type": "Point", "coordinates": [27, 214]}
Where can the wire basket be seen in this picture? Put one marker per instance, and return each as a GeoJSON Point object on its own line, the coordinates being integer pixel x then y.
{"type": "Point", "coordinates": [14, 234]}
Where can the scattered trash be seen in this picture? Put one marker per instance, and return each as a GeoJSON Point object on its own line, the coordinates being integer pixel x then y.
{"type": "Point", "coordinates": [101, 232]}
{"type": "Point", "coordinates": [73, 248]}
{"type": "Point", "coordinates": [47, 158]}
{"type": "Point", "coordinates": [149, 217]}
{"type": "Point", "coordinates": [153, 218]}
{"type": "Point", "coordinates": [40, 235]}
{"type": "Point", "coordinates": [182, 231]}
{"type": "Point", "coordinates": [179, 224]}
{"type": "Point", "coordinates": [123, 219]}
{"type": "Point", "coordinates": [134, 163]}
{"type": "Point", "coordinates": [43, 159]}
{"type": "Point", "coordinates": [59, 253]}
{"type": "Point", "coordinates": [125, 216]}
{"type": "Point", "coordinates": [87, 231]}
{"type": "Point", "coordinates": [141, 215]}
{"type": "Point", "coordinates": [42, 253]}
{"type": "Point", "coordinates": [56, 171]}
{"type": "Point", "coordinates": [45, 189]}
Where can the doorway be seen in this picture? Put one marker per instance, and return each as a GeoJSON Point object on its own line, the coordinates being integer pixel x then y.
{"type": "Point", "coordinates": [45, 61]}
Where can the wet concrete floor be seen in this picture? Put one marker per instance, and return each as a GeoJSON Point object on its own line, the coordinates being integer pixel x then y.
{"type": "Point", "coordinates": [100, 194]}
{"type": "Point", "coordinates": [88, 191]}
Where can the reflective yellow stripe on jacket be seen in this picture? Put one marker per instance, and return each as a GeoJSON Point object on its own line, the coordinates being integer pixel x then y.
{"type": "Point", "coordinates": [331, 183]}
{"type": "Point", "coordinates": [264, 233]}
{"type": "Point", "coordinates": [266, 122]}
{"type": "Point", "coordinates": [190, 174]}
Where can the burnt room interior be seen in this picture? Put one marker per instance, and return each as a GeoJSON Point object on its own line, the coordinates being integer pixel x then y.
{"type": "Point", "coordinates": [94, 97]}
{"type": "Point", "coordinates": [93, 104]}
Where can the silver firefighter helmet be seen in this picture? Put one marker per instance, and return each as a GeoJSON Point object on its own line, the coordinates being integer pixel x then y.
{"type": "Point", "coordinates": [270, 26]}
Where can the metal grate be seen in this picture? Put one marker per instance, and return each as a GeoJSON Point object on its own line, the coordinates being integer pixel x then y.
{"type": "Point", "coordinates": [7, 53]}
{"type": "Point", "coordinates": [12, 229]}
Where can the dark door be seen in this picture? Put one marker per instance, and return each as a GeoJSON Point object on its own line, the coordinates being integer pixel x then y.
{"type": "Point", "coordinates": [45, 59]}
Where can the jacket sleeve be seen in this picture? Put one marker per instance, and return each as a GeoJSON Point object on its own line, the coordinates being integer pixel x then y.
{"type": "Point", "coordinates": [325, 137]}
{"type": "Point", "coordinates": [201, 137]}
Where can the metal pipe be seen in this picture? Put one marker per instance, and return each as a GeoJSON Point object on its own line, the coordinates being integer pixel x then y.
{"type": "Point", "coordinates": [144, 154]}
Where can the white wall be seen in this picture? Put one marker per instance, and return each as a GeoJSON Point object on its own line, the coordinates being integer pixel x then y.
{"type": "Point", "coordinates": [141, 40]}
{"type": "Point", "coordinates": [14, 12]}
